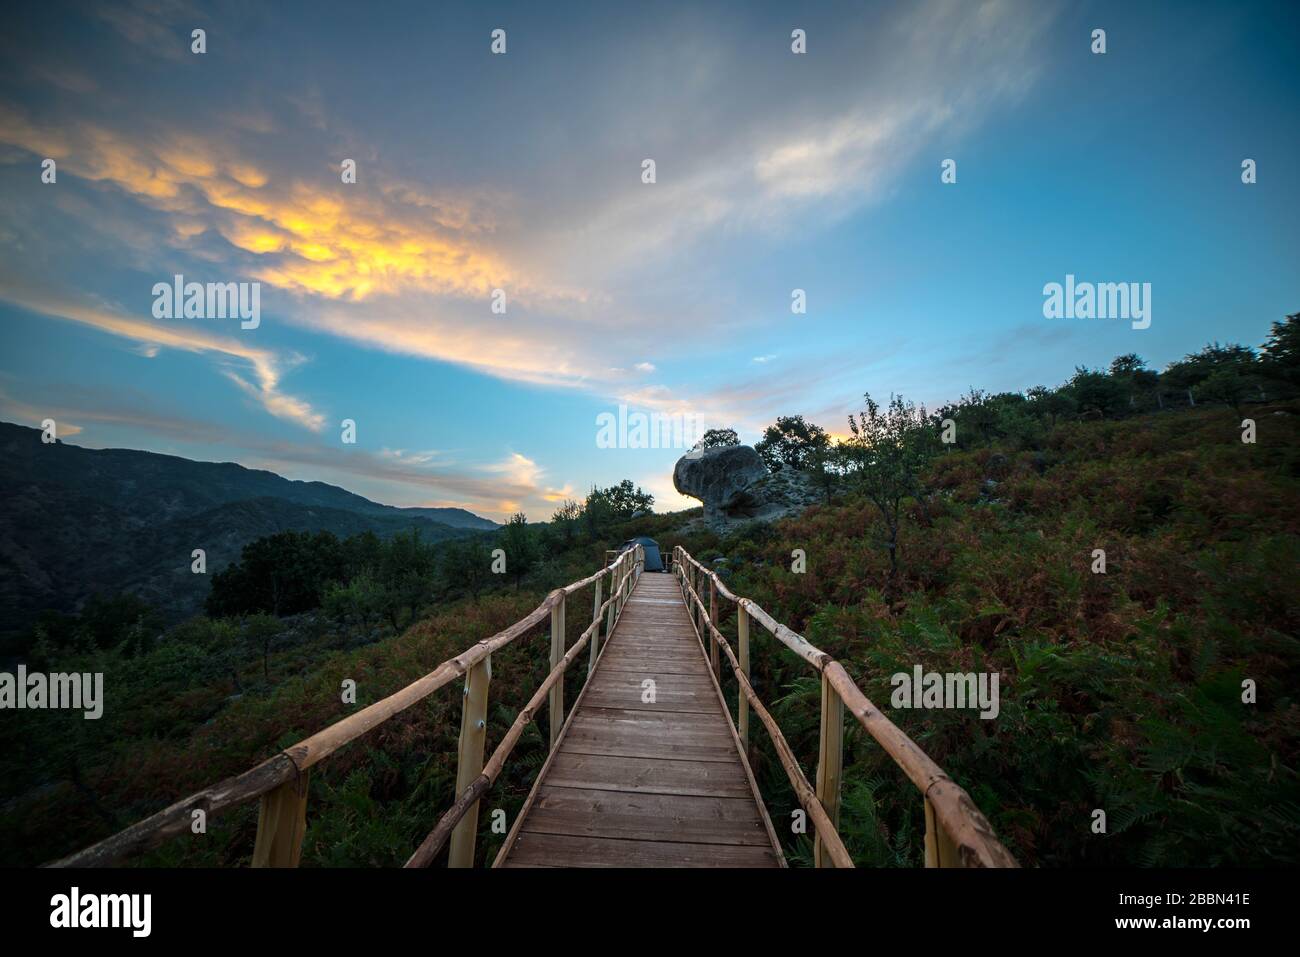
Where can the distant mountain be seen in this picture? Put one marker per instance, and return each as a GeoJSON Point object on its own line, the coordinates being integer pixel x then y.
{"type": "Point", "coordinates": [74, 521]}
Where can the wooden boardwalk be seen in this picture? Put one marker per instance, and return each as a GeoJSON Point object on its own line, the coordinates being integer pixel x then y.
{"type": "Point", "coordinates": [646, 783]}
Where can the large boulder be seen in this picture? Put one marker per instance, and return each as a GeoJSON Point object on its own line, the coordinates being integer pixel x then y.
{"type": "Point", "coordinates": [721, 478]}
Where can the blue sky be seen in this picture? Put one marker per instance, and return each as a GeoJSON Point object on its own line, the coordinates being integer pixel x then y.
{"type": "Point", "coordinates": [522, 172]}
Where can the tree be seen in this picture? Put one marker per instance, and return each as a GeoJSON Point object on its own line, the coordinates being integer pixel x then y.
{"type": "Point", "coordinates": [1053, 403]}
{"type": "Point", "coordinates": [1196, 367]}
{"type": "Point", "coordinates": [521, 547]}
{"type": "Point", "coordinates": [791, 443]}
{"type": "Point", "coordinates": [1137, 380]}
{"type": "Point", "coordinates": [1097, 393]}
{"type": "Point", "coordinates": [1280, 358]}
{"type": "Point", "coordinates": [605, 506]}
{"type": "Point", "coordinates": [282, 574]}
{"type": "Point", "coordinates": [466, 566]}
{"type": "Point", "coordinates": [718, 439]}
{"type": "Point", "coordinates": [261, 631]}
{"type": "Point", "coordinates": [565, 520]}
{"type": "Point", "coordinates": [361, 601]}
{"type": "Point", "coordinates": [404, 575]}
{"type": "Point", "coordinates": [1228, 387]}
{"type": "Point", "coordinates": [885, 454]}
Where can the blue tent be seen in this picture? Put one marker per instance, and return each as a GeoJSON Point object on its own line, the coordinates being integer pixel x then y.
{"type": "Point", "coordinates": [653, 562]}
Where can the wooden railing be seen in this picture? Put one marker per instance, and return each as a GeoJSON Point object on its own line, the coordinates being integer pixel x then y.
{"type": "Point", "coordinates": [956, 833]}
{"type": "Point", "coordinates": [281, 781]}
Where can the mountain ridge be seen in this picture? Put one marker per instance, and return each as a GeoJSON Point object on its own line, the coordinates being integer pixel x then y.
{"type": "Point", "coordinates": [77, 521]}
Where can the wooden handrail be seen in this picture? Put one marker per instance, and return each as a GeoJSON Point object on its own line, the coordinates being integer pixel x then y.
{"type": "Point", "coordinates": [957, 822]}
{"type": "Point", "coordinates": [282, 776]}
{"type": "Point", "coordinates": [822, 823]}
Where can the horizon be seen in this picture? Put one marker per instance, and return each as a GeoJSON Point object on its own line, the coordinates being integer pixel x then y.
{"type": "Point", "coordinates": [522, 172]}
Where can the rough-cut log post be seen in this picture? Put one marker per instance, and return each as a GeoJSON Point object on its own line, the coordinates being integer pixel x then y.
{"type": "Point", "coordinates": [613, 600]}
{"type": "Point", "coordinates": [940, 849]}
{"type": "Point", "coordinates": [557, 652]}
{"type": "Point", "coordinates": [714, 661]}
{"type": "Point", "coordinates": [830, 762]}
{"type": "Point", "coordinates": [695, 587]}
{"type": "Point", "coordinates": [469, 759]}
{"type": "Point", "coordinates": [429, 848]}
{"type": "Point", "coordinates": [595, 635]}
{"type": "Point", "coordinates": [742, 634]}
{"type": "Point", "coordinates": [281, 824]}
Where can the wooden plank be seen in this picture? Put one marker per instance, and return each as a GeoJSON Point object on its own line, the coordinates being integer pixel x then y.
{"type": "Point", "coordinates": [648, 775]}
{"type": "Point", "coordinates": [552, 850]}
{"type": "Point", "coordinates": [679, 818]}
{"type": "Point", "coordinates": [665, 700]}
{"type": "Point", "coordinates": [630, 740]}
{"type": "Point", "coordinates": [653, 720]}
{"type": "Point", "coordinates": [628, 662]}
{"type": "Point", "coordinates": [634, 783]}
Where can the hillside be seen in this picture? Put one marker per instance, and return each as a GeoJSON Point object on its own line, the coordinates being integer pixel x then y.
{"type": "Point", "coordinates": [1120, 691]}
{"type": "Point", "coordinates": [76, 521]}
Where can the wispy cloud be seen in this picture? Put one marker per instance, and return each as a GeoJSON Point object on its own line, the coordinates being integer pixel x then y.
{"type": "Point", "coordinates": [256, 371]}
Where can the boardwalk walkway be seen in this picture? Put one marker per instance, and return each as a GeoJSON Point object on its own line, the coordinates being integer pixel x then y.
{"type": "Point", "coordinates": [647, 771]}
{"type": "Point", "coordinates": [646, 783]}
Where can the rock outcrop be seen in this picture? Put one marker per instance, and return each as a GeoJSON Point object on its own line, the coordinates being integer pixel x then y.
{"type": "Point", "coordinates": [735, 486]}
{"type": "Point", "coordinates": [719, 477]}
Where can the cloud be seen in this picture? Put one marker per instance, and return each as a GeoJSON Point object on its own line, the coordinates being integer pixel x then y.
{"type": "Point", "coordinates": [259, 370]}
{"type": "Point", "coordinates": [240, 177]}
{"type": "Point", "coordinates": [408, 267]}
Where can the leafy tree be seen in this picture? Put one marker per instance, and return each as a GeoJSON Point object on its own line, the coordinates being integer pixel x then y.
{"type": "Point", "coordinates": [718, 439]}
{"type": "Point", "coordinates": [282, 574]}
{"type": "Point", "coordinates": [564, 522]}
{"type": "Point", "coordinates": [885, 455]}
{"type": "Point", "coordinates": [606, 506]}
{"type": "Point", "coordinates": [1228, 387]}
{"type": "Point", "coordinates": [466, 566]}
{"type": "Point", "coordinates": [791, 443]}
{"type": "Point", "coordinates": [1194, 368]}
{"type": "Point", "coordinates": [361, 601]}
{"type": "Point", "coordinates": [521, 547]}
{"type": "Point", "coordinates": [1098, 394]}
{"type": "Point", "coordinates": [1280, 358]}
{"type": "Point", "coordinates": [1138, 381]}
{"type": "Point", "coordinates": [261, 632]}
{"type": "Point", "coordinates": [1053, 403]}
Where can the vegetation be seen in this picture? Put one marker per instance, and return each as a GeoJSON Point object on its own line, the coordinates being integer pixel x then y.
{"type": "Point", "coordinates": [1120, 690]}
{"type": "Point", "coordinates": [791, 443]}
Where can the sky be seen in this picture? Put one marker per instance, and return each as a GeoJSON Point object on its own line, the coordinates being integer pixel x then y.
{"type": "Point", "coordinates": [523, 172]}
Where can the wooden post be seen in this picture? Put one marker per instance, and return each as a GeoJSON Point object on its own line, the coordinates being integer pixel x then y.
{"type": "Point", "coordinates": [830, 763]}
{"type": "Point", "coordinates": [695, 587]}
{"type": "Point", "coordinates": [281, 824]}
{"type": "Point", "coordinates": [557, 652]}
{"type": "Point", "coordinates": [595, 635]}
{"type": "Point", "coordinates": [714, 661]}
{"type": "Point", "coordinates": [742, 634]}
{"type": "Point", "coordinates": [940, 849]}
{"type": "Point", "coordinates": [613, 594]}
{"type": "Point", "coordinates": [469, 759]}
